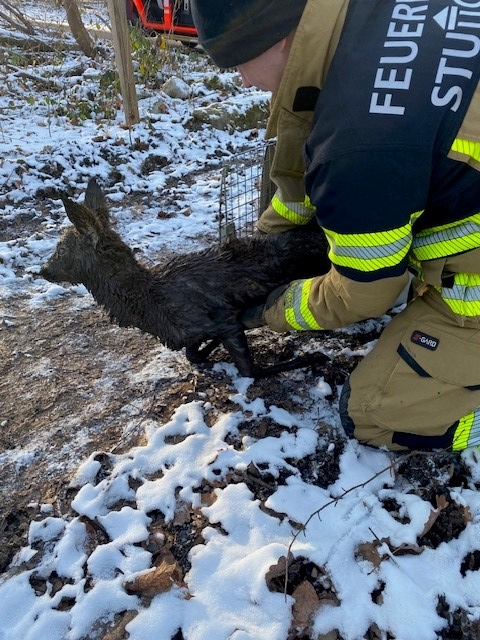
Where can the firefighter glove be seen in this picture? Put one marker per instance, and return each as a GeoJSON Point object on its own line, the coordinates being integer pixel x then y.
{"type": "Point", "coordinates": [254, 316]}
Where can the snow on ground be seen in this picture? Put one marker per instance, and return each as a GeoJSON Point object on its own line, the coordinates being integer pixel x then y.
{"type": "Point", "coordinates": [360, 563]}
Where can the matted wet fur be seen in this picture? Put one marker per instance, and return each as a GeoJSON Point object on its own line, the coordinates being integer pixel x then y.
{"type": "Point", "coordinates": [196, 298]}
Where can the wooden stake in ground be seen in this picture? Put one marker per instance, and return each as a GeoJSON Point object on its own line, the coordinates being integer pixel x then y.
{"type": "Point", "coordinates": [78, 28]}
{"type": "Point", "coordinates": [123, 57]}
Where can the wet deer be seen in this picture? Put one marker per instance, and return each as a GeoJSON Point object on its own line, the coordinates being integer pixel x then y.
{"type": "Point", "coordinates": [195, 300]}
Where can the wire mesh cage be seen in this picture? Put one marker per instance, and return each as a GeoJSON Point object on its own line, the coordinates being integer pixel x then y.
{"type": "Point", "coordinates": [245, 191]}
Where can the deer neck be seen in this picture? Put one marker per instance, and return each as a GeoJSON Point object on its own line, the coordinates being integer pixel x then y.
{"type": "Point", "coordinates": [121, 285]}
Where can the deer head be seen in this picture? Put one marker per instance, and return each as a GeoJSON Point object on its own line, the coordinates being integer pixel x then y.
{"type": "Point", "coordinates": [75, 254]}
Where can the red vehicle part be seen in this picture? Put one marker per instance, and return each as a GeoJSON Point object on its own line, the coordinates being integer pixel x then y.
{"type": "Point", "coordinates": [164, 16]}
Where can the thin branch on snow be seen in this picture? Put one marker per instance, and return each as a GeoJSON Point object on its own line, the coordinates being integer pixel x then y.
{"type": "Point", "coordinates": [395, 463]}
{"type": "Point", "coordinates": [45, 83]}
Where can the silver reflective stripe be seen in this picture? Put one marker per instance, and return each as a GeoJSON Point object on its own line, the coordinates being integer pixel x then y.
{"type": "Point", "coordinates": [367, 253]}
{"type": "Point", "coordinates": [462, 234]}
{"type": "Point", "coordinates": [297, 212]}
{"type": "Point", "coordinates": [462, 292]}
{"type": "Point", "coordinates": [297, 306]}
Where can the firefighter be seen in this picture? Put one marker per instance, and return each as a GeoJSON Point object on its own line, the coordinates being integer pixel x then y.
{"type": "Point", "coordinates": [376, 112]}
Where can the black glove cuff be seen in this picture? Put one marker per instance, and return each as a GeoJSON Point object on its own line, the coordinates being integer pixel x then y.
{"type": "Point", "coordinates": [274, 295]}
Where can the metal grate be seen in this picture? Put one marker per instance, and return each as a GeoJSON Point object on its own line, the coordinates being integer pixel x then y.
{"type": "Point", "coordinates": [245, 190]}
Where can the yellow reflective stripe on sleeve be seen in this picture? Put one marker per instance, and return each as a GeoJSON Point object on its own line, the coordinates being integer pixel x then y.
{"type": "Point", "coordinates": [447, 239]}
{"type": "Point", "coordinates": [467, 148]}
{"type": "Point", "coordinates": [297, 311]}
{"type": "Point", "coordinates": [296, 212]}
{"type": "Point", "coordinates": [463, 297]}
{"type": "Point", "coordinates": [467, 433]}
{"type": "Point", "coordinates": [370, 251]}
{"type": "Point", "coordinates": [462, 432]}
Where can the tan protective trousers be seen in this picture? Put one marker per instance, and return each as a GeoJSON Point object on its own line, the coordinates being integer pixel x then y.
{"type": "Point", "coordinates": [421, 377]}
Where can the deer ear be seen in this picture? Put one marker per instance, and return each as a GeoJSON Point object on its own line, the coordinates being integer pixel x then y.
{"type": "Point", "coordinates": [81, 217]}
{"type": "Point", "coordinates": [96, 202]}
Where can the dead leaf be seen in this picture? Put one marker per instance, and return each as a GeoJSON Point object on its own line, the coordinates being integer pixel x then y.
{"type": "Point", "coordinates": [276, 571]}
{"type": "Point", "coordinates": [118, 631]}
{"type": "Point", "coordinates": [328, 598]}
{"type": "Point", "coordinates": [166, 556]}
{"type": "Point", "coordinates": [305, 605]}
{"type": "Point", "coordinates": [271, 512]}
{"type": "Point", "coordinates": [369, 551]}
{"type": "Point", "coordinates": [181, 517]}
{"type": "Point", "coordinates": [442, 504]}
{"type": "Point", "coordinates": [159, 579]}
{"type": "Point", "coordinates": [253, 470]}
{"type": "Point", "coordinates": [374, 632]}
{"type": "Point", "coordinates": [208, 498]}
{"type": "Point", "coordinates": [467, 514]}
{"type": "Point", "coordinates": [331, 635]}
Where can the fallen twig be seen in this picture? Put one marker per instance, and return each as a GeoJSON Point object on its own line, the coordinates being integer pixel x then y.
{"type": "Point", "coordinates": [393, 464]}
{"type": "Point", "coordinates": [45, 83]}
{"type": "Point", "coordinates": [140, 422]}
{"type": "Point", "coordinates": [18, 20]}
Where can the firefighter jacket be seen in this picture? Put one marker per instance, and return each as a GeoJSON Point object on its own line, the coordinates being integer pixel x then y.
{"type": "Point", "coordinates": [386, 94]}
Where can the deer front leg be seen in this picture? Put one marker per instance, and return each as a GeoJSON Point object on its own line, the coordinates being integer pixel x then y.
{"type": "Point", "coordinates": [235, 343]}
{"type": "Point", "coordinates": [237, 346]}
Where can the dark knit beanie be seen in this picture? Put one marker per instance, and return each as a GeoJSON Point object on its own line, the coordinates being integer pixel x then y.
{"type": "Point", "coordinates": [235, 31]}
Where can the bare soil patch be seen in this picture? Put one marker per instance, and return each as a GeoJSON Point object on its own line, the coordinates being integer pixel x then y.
{"type": "Point", "coordinates": [65, 388]}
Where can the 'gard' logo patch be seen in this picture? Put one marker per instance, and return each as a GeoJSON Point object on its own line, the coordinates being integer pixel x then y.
{"type": "Point", "coordinates": [424, 340]}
